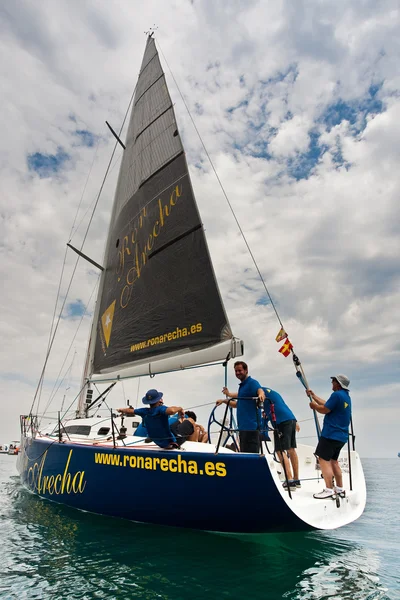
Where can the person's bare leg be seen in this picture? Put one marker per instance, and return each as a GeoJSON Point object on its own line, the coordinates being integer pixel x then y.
{"type": "Point", "coordinates": [337, 472]}
{"type": "Point", "coordinates": [285, 463]}
{"type": "Point", "coordinates": [295, 462]}
{"type": "Point", "coordinates": [203, 437]}
{"type": "Point", "coordinates": [327, 472]}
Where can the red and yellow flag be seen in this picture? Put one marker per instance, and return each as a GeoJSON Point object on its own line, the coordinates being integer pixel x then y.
{"type": "Point", "coordinates": [287, 346]}
{"type": "Point", "coordinates": [281, 335]}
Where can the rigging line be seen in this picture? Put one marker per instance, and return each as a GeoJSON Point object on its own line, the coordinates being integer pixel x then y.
{"type": "Point", "coordinates": [118, 158]}
{"type": "Point", "coordinates": [65, 257]}
{"type": "Point", "coordinates": [123, 392]}
{"type": "Point", "coordinates": [53, 393]}
{"type": "Point", "coordinates": [77, 260]}
{"type": "Point", "coordinates": [223, 191]}
{"type": "Point", "coordinates": [72, 232]}
{"type": "Point", "coordinates": [137, 392]}
{"type": "Point", "coordinates": [73, 401]}
{"type": "Point", "coordinates": [51, 331]}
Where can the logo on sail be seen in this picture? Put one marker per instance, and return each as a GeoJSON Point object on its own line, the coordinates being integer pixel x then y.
{"type": "Point", "coordinates": [107, 321]}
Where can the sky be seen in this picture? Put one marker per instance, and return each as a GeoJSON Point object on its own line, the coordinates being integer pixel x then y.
{"type": "Point", "coordinates": [298, 105]}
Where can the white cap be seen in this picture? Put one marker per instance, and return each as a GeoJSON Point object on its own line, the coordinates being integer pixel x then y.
{"type": "Point", "coordinates": [342, 380]}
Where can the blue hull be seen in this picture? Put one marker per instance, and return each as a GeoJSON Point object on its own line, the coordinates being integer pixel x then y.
{"type": "Point", "coordinates": [225, 492]}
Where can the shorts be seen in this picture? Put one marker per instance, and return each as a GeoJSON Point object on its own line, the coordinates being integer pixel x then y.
{"type": "Point", "coordinates": [285, 435]}
{"type": "Point", "coordinates": [328, 449]}
{"type": "Point", "coordinates": [182, 430]}
{"type": "Point", "coordinates": [249, 441]}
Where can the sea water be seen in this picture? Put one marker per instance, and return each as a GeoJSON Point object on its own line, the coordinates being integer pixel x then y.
{"type": "Point", "coordinates": [50, 551]}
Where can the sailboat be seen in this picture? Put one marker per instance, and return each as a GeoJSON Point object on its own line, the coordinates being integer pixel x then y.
{"type": "Point", "coordinates": [159, 310]}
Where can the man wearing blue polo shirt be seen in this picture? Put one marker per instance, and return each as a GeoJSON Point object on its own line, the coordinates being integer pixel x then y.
{"type": "Point", "coordinates": [248, 412]}
{"type": "Point", "coordinates": [334, 434]}
{"type": "Point", "coordinates": [155, 418]}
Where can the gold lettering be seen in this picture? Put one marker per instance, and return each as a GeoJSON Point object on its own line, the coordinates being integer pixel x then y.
{"type": "Point", "coordinates": [164, 464]}
{"type": "Point", "coordinates": [132, 461]}
{"type": "Point", "coordinates": [161, 208]}
{"type": "Point", "coordinates": [82, 483]}
{"type": "Point", "coordinates": [130, 244]}
{"type": "Point", "coordinates": [209, 468]}
{"type": "Point", "coordinates": [182, 464]}
{"type": "Point", "coordinates": [76, 485]}
{"type": "Point", "coordinates": [221, 470]}
{"type": "Point", "coordinates": [150, 242]}
{"type": "Point", "coordinates": [66, 473]}
{"type": "Point", "coordinates": [148, 463]}
{"type": "Point", "coordinates": [41, 471]}
{"type": "Point", "coordinates": [50, 484]}
{"type": "Point", "coordinates": [173, 463]}
{"type": "Point", "coordinates": [155, 234]}
{"type": "Point", "coordinates": [56, 481]}
{"type": "Point", "coordinates": [69, 483]}
{"type": "Point", "coordinates": [43, 484]}
{"type": "Point", "coordinates": [176, 192]}
{"type": "Point", "coordinates": [143, 214]}
{"type": "Point", "coordinates": [140, 462]}
{"type": "Point", "coordinates": [192, 467]}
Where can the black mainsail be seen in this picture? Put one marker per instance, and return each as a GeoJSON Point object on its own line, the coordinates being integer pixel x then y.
{"type": "Point", "coordinates": [158, 297]}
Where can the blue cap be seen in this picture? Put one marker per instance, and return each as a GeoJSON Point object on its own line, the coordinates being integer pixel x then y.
{"type": "Point", "coordinates": [152, 396]}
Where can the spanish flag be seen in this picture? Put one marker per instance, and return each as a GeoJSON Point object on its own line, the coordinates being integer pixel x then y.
{"type": "Point", "coordinates": [287, 346]}
{"type": "Point", "coordinates": [281, 335]}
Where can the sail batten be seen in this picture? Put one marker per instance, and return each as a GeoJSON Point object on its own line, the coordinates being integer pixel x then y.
{"type": "Point", "coordinates": [159, 300]}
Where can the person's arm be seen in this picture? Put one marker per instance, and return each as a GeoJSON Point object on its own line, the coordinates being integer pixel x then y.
{"type": "Point", "coordinates": [228, 393]}
{"type": "Point", "coordinates": [128, 411]}
{"type": "Point", "coordinates": [261, 394]}
{"type": "Point", "coordinates": [320, 408]}
{"type": "Point", "coordinates": [232, 403]}
{"type": "Point", "coordinates": [171, 410]}
{"type": "Point", "coordinates": [317, 403]}
{"type": "Point", "coordinates": [315, 398]}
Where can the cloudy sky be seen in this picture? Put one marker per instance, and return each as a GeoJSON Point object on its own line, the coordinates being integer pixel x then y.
{"type": "Point", "coordinates": [298, 105]}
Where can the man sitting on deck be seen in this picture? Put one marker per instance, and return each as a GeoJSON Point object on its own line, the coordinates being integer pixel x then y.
{"type": "Point", "coordinates": [156, 418]}
{"type": "Point", "coordinates": [187, 429]}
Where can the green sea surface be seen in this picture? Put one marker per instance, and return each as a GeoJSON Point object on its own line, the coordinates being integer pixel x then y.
{"type": "Point", "coordinates": [50, 551]}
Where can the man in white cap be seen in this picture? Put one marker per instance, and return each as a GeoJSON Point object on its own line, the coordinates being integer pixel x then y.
{"type": "Point", "coordinates": [335, 432]}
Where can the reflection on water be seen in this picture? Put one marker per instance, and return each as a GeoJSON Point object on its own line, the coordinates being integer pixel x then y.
{"type": "Point", "coordinates": [51, 551]}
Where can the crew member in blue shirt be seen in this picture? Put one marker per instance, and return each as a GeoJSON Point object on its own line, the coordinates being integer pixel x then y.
{"type": "Point", "coordinates": [335, 432]}
{"type": "Point", "coordinates": [155, 418]}
{"type": "Point", "coordinates": [285, 426]}
{"type": "Point", "coordinates": [248, 412]}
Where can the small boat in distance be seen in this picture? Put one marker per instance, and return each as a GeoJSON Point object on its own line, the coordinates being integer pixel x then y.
{"type": "Point", "coordinates": [14, 447]}
{"type": "Point", "coordinates": [159, 310]}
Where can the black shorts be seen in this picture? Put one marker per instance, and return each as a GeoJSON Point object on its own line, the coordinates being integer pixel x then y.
{"type": "Point", "coordinates": [285, 435]}
{"type": "Point", "coordinates": [328, 449]}
{"type": "Point", "coordinates": [182, 430]}
{"type": "Point", "coordinates": [249, 441]}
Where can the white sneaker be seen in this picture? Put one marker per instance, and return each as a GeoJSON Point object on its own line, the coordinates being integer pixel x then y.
{"type": "Point", "coordinates": [340, 491]}
{"type": "Point", "coordinates": [326, 493]}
